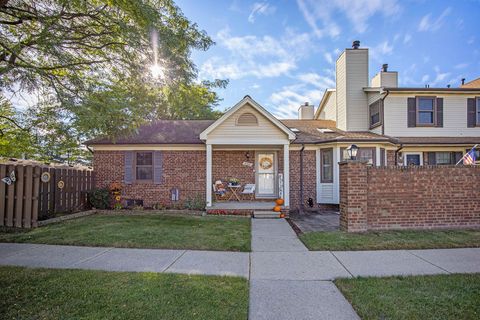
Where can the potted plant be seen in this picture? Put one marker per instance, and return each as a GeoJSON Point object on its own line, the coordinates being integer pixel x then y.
{"type": "Point", "coordinates": [234, 181]}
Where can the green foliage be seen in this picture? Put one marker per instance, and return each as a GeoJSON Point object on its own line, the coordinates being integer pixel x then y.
{"type": "Point", "coordinates": [89, 61]}
{"type": "Point", "coordinates": [196, 203]}
{"type": "Point", "coordinates": [99, 198]}
{"type": "Point", "coordinates": [14, 140]}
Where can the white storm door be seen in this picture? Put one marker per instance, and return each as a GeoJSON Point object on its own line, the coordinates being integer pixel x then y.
{"type": "Point", "coordinates": [266, 174]}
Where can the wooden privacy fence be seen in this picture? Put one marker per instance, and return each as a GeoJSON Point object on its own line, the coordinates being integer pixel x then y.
{"type": "Point", "coordinates": [28, 198]}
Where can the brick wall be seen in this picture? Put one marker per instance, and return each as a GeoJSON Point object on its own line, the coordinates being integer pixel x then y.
{"type": "Point", "coordinates": [186, 170]}
{"type": "Point", "coordinates": [426, 197]}
{"type": "Point", "coordinates": [390, 157]}
{"type": "Point", "coordinates": [309, 177]}
{"type": "Point", "coordinates": [181, 169]}
{"type": "Point", "coordinates": [229, 164]}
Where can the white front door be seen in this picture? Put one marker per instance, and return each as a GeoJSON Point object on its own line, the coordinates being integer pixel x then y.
{"type": "Point", "coordinates": [266, 175]}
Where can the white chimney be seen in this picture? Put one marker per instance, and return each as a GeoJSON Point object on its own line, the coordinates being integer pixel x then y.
{"type": "Point", "coordinates": [385, 78]}
{"type": "Point", "coordinates": [306, 111]}
{"type": "Point", "coordinates": [351, 78]}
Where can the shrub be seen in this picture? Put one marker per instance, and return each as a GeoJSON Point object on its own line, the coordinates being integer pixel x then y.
{"type": "Point", "coordinates": [195, 203]}
{"type": "Point", "coordinates": [99, 198]}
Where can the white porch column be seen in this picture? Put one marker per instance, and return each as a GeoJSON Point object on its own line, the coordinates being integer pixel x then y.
{"type": "Point", "coordinates": [377, 157]}
{"type": "Point", "coordinates": [286, 175]}
{"type": "Point", "coordinates": [209, 175]}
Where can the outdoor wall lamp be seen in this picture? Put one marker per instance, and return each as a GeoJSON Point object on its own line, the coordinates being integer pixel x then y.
{"type": "Point", "coordinates": [352, 151]}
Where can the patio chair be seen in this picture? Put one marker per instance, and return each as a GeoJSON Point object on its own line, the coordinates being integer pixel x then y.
{"type": "Point", "coordinates": [249, 190]}
{"type": "Point", "coordinates": [219, 194]}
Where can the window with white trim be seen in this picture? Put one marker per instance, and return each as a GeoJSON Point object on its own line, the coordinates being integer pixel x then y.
{"type": "Point", "coordinates": [326, 165]}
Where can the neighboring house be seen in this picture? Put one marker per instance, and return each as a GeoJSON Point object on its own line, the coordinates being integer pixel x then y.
{"type": "Point", "coordinates": [294, 159]}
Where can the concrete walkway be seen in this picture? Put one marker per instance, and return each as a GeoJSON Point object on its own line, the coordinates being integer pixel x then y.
{"type": "Point", "coordinates": [119, 259]}
{"type": "Point", "coordinates": [286, 280]}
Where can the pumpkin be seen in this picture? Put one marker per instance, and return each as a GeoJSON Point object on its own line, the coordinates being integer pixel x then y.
{"type": "Point", "coordinates": [277, 209]}
{"type": "Point", "coordinates": [279, 202]}
{"type": "Point", "coordinates": [282, 215]}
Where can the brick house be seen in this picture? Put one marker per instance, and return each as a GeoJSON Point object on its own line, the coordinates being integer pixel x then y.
{"type": "Point", "coordinates": [296, 160]}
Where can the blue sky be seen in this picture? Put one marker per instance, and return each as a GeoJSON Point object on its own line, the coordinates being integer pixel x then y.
{"type": "Point", "coordinates": [283, 53]}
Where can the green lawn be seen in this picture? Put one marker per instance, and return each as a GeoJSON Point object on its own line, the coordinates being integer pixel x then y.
{"type": "Point", "coordinates": [77, 294]}
{"type": "Point", "coordinates": [420, 297]}
{"type": "Point", "coordinates": [143, 231]}
{"type": "Point", "coordinates": [407, 239]}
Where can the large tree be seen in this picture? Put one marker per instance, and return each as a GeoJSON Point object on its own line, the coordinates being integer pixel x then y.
{"type": "Point", "coordinates": [91, 60]}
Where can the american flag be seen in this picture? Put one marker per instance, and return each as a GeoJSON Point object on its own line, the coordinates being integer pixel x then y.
{"type": "Point", "coordinates": [469, 158]}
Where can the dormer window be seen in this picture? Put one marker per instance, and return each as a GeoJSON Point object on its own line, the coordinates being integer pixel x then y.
{"type": "Point", "coordinates": [247, 119]}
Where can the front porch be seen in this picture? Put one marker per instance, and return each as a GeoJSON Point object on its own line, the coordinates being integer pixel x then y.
{"type": "Point", "coordinates": [252, 146]}
{"type": "Point", "coordinates": [244, 205]}
{"type": "Point", "coordinates": [246, 208]}
{"type": "Point", "coordinates": [264, 167]}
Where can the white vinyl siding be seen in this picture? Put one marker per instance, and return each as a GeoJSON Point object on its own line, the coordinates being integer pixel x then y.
{"type": "Point", "coordinates": [328, 192]}
{"type": "Point", "coordinates": [454, 118]}
{"type": "Point", "coordinates": [329, 112]}
{"type": "Point", "coordinates": [265, 132]}
{"type": "Point", "coordinates": [341, 92]}
{"type": "Point", "coordinates": [356, 99]}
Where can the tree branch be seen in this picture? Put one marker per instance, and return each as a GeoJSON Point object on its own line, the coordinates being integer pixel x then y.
{"type": "Point", "coordinates": [14, 122]}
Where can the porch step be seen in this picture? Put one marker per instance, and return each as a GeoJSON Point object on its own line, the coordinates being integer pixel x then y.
{"type": "Point", "coordinates": [266, 214]}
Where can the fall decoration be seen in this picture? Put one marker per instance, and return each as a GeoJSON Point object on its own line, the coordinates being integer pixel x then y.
{"type": "Point", "coordinates": [277, 209]}
{"type": "Point", "coordinates": [279, 202]}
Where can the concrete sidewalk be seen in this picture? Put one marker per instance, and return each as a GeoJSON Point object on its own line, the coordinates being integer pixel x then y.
{"type": "Point", "coordinates": [275, 264]}
{"type": "Point", "coordinates": [289, 282]}
{"type": "Point", "coordinates": [286, 280]}
{"type": "Point", "coordinates": [121, 259]}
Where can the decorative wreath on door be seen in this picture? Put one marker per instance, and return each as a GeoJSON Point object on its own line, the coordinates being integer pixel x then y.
{"type": "Point", "coordinates": [266, 163]}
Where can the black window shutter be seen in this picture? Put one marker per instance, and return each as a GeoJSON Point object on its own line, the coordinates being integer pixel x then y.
{"type": "Point", "coordinates": [128, 178]}
{"type": "Point", "coordinates": [412, 112]}
{"type": "Point", "coordinates": [382, 157]}
{"type": "Point", "coordinates": [157, 167]}
{"type": "Point", "coordinates": [439, 112]}
{"type": "Point", "coordinates": [431, 158]}
{"type": "Point", "coordinates": [457, 156]}
{"type": "Point", "coordinates": [471, 110]}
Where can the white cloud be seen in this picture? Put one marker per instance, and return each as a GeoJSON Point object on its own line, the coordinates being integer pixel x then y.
{"type": "Point", "coordinates": [309, 88]}
{"type": "Point", "coordinates": [407, 38]}
{"type": "Point", "coordinates": [381, 50]}
{"type": "Point", "coordinates": [461, 66]}
{"type": "Point", "coordinates": [471, 40]}
{"type": "Point", "coordinates": [260, 8]}
{"type": "Point", "coordinates": [321, 14]}
{"type": "Point", "coordinates": [328, 57]}
{"type": "Point", "coordinates": [425, 78]}
{"type": "Point", "coordinates": [260, 57]}
{"type": "Point", "coordinates": [429, 24]}
{"type": "Point", "coordinates": [439, 77]}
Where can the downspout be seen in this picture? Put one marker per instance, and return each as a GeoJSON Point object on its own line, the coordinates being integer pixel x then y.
{"type": "Point", "coordinates": [396, 154]}
{"type": "Point", "coordinates": [383, 113]}
{"type": "Point", "coordinates": [301, 209]}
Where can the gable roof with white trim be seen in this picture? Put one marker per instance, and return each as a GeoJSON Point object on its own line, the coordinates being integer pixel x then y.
{"type": "Point", "coordinates": [249, 105]}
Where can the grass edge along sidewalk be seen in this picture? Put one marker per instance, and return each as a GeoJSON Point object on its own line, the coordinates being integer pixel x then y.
{"type": "Point", "coordinates": [84, 294]}
{"type": "Point", "coordinates": [454, 296]}
{"type": "Point", "coordinates": [391, 240]}
{"type": "Point", "coordinates": [154, 231]}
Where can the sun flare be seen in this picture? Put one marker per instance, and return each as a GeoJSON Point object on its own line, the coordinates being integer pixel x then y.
{"type": "Point", "coordinates": [157, 71]}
